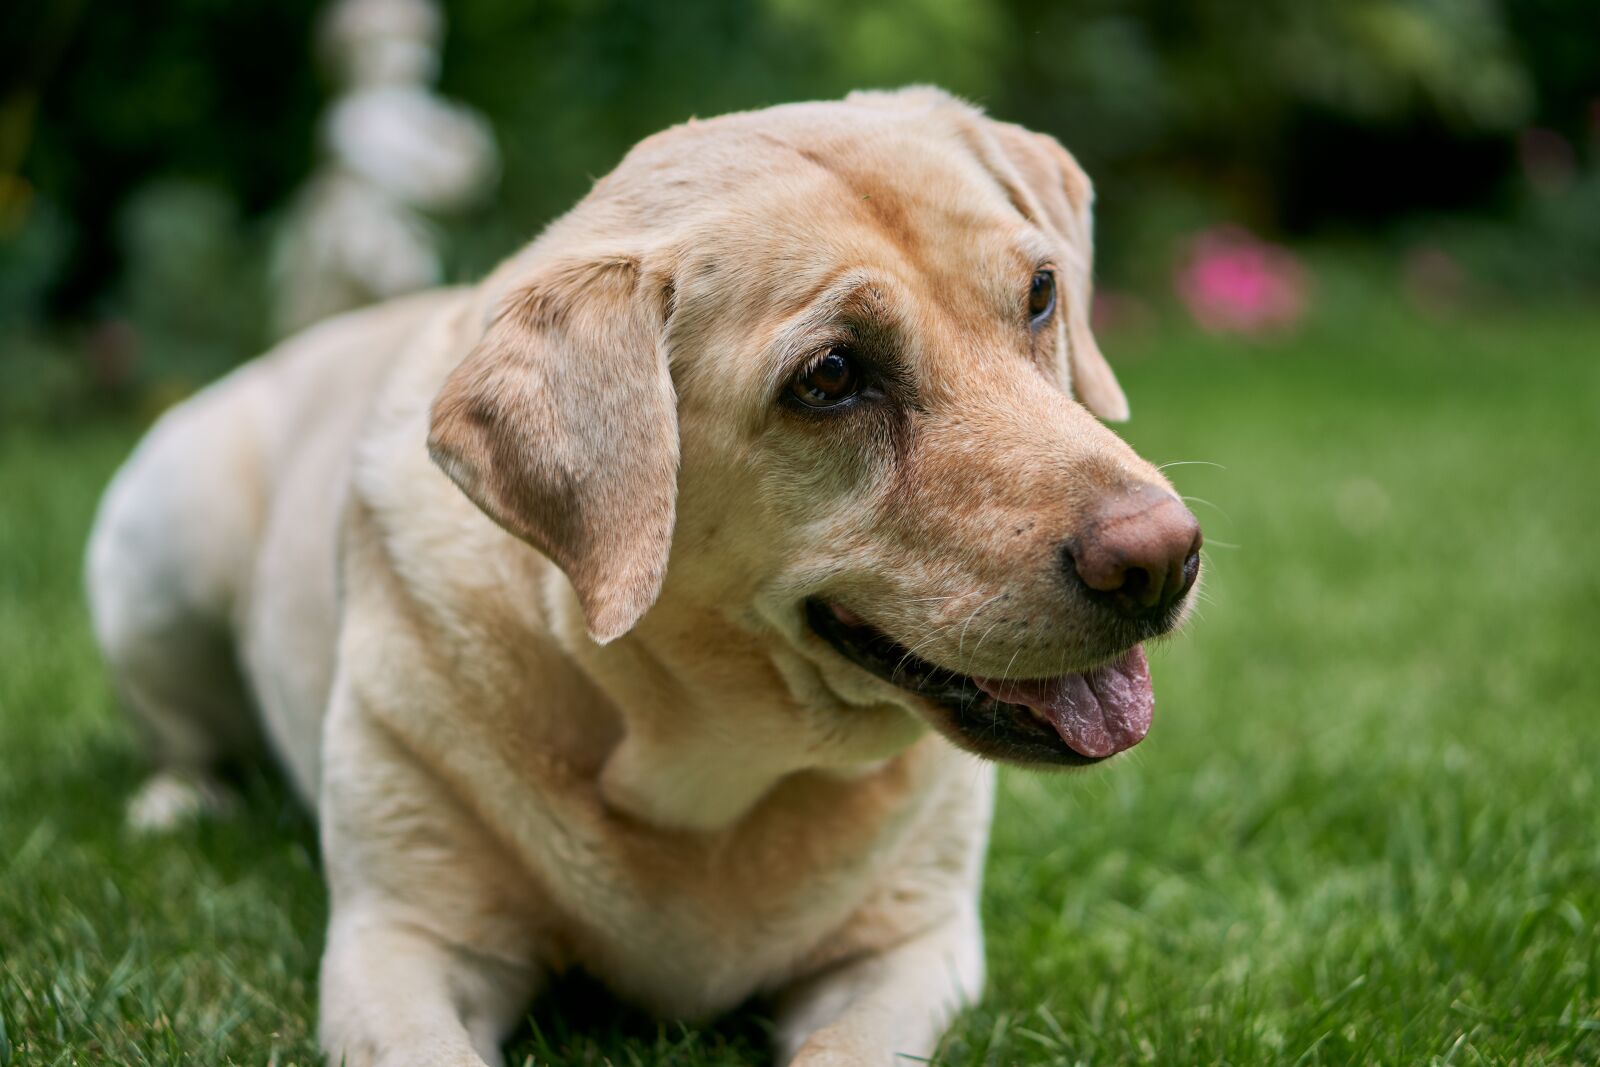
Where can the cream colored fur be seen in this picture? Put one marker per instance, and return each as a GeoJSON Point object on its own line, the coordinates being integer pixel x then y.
{"type": "Point", "coordinates": [625, 751]}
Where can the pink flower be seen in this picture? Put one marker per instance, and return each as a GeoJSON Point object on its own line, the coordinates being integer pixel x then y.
{"type": "Point", "coordinates": [1232, 282]}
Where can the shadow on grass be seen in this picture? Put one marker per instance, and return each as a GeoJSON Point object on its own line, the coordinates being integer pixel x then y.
{"type": "Point", "coordinates": [579, 1022]}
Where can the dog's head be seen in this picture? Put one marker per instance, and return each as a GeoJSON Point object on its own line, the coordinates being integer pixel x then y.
{"type": "Point", "coordinates": [825, 373]}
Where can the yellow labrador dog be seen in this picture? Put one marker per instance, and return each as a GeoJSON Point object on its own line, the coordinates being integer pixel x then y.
{"type": "Point", "coordinates": [641, 609]}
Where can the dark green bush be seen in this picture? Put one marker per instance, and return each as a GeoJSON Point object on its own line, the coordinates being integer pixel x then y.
{"type": "Point", "coordinates": [159, 141]}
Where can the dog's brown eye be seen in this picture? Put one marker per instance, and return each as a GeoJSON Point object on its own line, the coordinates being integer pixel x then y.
{"type": "Point", "coordinates": [1041, 295]}
{"type": "Point", "coordinates": [830, 380]}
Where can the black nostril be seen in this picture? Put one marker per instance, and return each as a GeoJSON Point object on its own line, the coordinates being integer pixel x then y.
{"type": "Point", "coordinates": [1191, 571]}
{"type": "Point", "coordinates": [1135, 584]}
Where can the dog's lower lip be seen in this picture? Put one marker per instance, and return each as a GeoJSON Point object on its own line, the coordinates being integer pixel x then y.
{"type": "Point", "coordinates": [1048, 728]}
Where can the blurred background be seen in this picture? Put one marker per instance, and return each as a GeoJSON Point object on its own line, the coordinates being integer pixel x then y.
{"type": "Point", "coordinates": [1348, 260]}
{"type": "Point", "coordinates": [155, 156]}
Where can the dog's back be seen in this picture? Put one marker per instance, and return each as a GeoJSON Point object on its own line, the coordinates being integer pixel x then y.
{"type": "Point", "coordinates": [229, 489]}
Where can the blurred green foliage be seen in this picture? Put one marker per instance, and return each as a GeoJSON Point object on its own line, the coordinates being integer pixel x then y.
{"type": "Point", "coordinates": [146, 151]}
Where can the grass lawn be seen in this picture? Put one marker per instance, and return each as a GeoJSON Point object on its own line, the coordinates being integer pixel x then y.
{"type": "Point", "coordinates": [1365, 829]}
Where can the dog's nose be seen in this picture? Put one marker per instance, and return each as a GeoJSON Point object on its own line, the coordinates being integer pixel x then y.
{"type": "Point", "coordinates": [1139, 551]}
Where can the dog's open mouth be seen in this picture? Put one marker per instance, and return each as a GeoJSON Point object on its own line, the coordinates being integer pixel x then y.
{"type": "Point", "coordinates": [1076, 718]}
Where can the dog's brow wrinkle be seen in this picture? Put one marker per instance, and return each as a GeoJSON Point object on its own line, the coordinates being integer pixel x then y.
{"type": "Point", "coordinates": [994, 163]}
{"type": "Point", "coordinates": [816, 159]}
{"type": "Point", "coordinates": [870, 200]}
{"type": "Point", "coordinates": [815, 293]}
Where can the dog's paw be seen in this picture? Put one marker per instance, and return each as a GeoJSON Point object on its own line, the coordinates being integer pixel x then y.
{"type": "Point", "coordinates": [827, 1048]}
{"type": "Point", "coordinates": [168, 800]}
{"type": "Point", "coordinates": [844, 1058]}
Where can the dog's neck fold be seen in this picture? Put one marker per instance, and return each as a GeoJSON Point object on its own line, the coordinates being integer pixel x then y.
{"type": "Point", "coordinates": [703, 739]}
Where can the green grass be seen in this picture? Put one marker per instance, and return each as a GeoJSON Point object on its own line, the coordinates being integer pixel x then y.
{"type": "Point", "coordinates": [1364, 829]}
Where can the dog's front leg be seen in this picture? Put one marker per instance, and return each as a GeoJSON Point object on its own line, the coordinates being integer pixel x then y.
{"type": "Point", "coordinates": [430, 959]}
{"type": "Point", "coordinates": [395, 995]}
{"type": "Point", "coordinates": [878, 1009]}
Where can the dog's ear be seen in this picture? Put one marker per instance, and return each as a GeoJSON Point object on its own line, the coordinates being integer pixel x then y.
{"type": "Point", "coordinates": [562, 426]}
{"type": "Point", "coordinates": [1056, 194]}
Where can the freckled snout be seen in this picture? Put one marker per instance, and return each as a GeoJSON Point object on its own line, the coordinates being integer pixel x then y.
{"type": "Point", "coordinates": [1138, 552]}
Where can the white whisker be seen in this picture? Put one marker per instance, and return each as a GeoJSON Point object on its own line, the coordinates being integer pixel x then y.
{"type": "Point", "coordinates": [962, 641]}
{"type": "Point", "coordinates": [1202, 500]}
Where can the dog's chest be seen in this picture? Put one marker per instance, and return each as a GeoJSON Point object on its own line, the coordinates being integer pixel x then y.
{"type": "Point", "coordinates": [690, 925]}
{"type": "Point", "coordinates": [680, 955]}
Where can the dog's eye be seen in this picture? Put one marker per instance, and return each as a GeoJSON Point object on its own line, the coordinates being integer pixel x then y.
{"type": "Point", "coordinates": [830, 380]}
{"type": "Point", "coordinates": [1041, 296]}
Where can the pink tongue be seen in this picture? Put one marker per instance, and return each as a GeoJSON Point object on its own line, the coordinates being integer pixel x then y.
{"type": "Point", "coordinates": [1098, 713]}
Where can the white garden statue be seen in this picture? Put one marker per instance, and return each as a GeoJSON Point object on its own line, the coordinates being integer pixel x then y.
{"type": "Point", "coordinates": [393, 150]}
